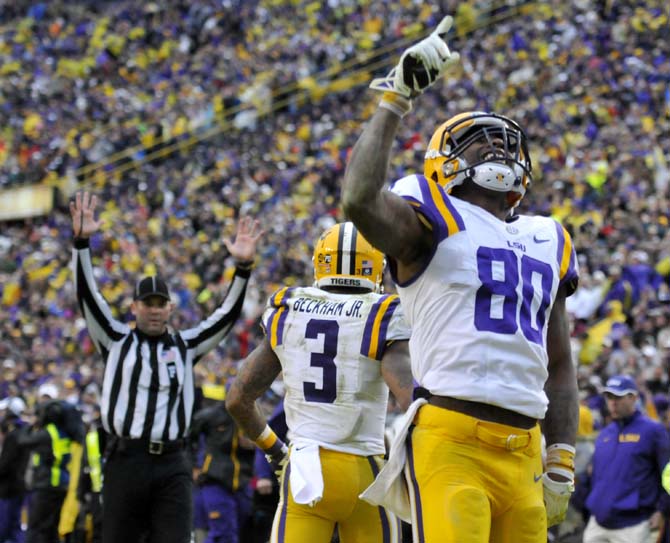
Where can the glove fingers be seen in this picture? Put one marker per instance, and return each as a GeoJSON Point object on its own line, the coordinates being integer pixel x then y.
{"type": "Point", "coordinates": [434, 53]}
{"type": "Point", "coordinates": [420, 65]}
{"type": "Point", "coordinates": [439, 48]}
{"type": "Point", "coordinates": [435, 56]}
{"type": "Point", "coordinates": [444, 26]}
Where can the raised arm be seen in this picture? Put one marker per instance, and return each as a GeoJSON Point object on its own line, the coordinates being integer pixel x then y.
{"type": "Point", "coordinates": [103, 328]}
{"type": "Point", "coordinates": [210, 332]}
{"type": "Point", "coordinates": [384, 218]}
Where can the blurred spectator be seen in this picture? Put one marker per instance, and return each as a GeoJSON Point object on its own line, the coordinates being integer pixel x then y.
{"type": "Point", "coordinates": [13, 461]}
{"type": "Point", "coordinates": [51, 443]}
{"type": "Point", "coordinates": [604, 328]}
{"type": "Point", "coordinates": [584, 303]}
{"type": "Point", "coordinates": [89, 489]}
{"type": "Point", "coordinates": [225, 475]}
{"type": "Point", "coordinates": [266, 491]}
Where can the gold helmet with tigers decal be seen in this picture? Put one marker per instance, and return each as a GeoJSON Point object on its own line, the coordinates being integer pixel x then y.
{"type": "Point", "coordinates": [344, 258]}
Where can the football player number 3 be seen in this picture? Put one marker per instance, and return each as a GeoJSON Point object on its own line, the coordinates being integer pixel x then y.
{"type": "Point", "coordinates": [324, 360]}
{"type": "Point", "coordinates": [515, 271]}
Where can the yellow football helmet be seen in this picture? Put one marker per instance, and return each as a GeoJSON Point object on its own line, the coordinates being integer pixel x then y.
{"type": "Point", "coordinates": [344, 258]}
{"type": "Point", "coordinates": [444, 162]}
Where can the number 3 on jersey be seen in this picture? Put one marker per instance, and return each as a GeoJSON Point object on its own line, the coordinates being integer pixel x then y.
{"type": "Point", "coordinates": [324, 360]}
{"type": "Point", "coordinates": [501, 273]}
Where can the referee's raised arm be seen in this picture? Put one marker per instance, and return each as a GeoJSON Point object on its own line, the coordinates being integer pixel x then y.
{"type": "Point", "coordinates": [209, 333]}
{"type": "Point", "coordinates": [148, 388]}
{"type": "Point", "coordinates": [101, 325]}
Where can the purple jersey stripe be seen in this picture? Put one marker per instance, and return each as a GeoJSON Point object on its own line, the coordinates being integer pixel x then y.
{"type": "Point", "coordinates": [444, 207]}
{"type": "Point", "coordinates": [369, 326]}
{"type": "Point", "coordinates": [383, 515]}
{"type": "Point", "coordinates": [383, 329]}
{"type": "Point", "coordinates": [267, 325]}
{"type": "Point", "coordinates": [572, 268]}
{"type": "Point", "coordinates": [275, 333]}
{"type": "Point", "coordinates": [281, 532]}
{"type": "Point", "coordinates": [454, 212]}
{"type": "Point", "coordinates": [282, 317]}
{"type": "Point", "coordinates": [429, 210]}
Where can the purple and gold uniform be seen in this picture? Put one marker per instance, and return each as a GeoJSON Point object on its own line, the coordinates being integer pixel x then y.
{"type": "Point", "coordinates": [329, 346]}
{"type": "Point", "coordinates": [492, 285]}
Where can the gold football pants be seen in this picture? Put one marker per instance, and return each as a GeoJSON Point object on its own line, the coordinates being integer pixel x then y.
{"type": "Point", "coordinates": [473, 481]}
{"type": "Point", "coordinates": [345, 476]}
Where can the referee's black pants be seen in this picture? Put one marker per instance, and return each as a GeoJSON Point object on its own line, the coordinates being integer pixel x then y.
{"type": "Point", "coordinates": [147, 498]}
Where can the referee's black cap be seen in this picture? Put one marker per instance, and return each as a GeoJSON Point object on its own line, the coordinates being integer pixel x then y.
{"type": "Point", "coordinates": [151, 286]}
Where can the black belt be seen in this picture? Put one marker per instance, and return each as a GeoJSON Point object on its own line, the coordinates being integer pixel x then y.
{"type": "Point", "coordinates": [491, 413]}
{"type": "Point", "coordinates": [150, 446]}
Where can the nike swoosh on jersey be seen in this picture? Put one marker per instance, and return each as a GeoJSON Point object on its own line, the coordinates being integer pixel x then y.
{"type": "Point", "coordinates": [540, 240]}
{"type": "Point", "coordinates": [536, 478]}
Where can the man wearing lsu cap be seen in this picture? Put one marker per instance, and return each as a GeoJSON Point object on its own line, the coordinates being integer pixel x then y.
{"type": "Point", "coordinates": [626, 500]}
{"type": "Point", "coordinates": [148, 388]}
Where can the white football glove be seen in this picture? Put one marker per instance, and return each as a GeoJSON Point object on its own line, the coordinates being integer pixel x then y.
{"type": "Point", "coordinates": [556, 498]}
{"type": "Point", "coordinates": [420, 65]}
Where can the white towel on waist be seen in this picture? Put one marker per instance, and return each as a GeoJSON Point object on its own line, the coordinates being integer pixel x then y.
{"type": "Point", "coordinates": [389, 489]}
{"type": "Point", "coordinates": [306, 477]}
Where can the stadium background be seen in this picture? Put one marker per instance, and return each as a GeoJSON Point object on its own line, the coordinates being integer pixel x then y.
{"type": "Point", "coordinates": [182, 115]}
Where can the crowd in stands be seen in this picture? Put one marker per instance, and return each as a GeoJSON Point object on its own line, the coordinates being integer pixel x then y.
{"type": "Point", "coordinates": [184, 115]}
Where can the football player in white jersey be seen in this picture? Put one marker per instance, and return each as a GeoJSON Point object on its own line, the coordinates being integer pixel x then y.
{"type": "Point", "coordinates": [340, 345]}
{"type": "Point", "coordinates": [484, 292]}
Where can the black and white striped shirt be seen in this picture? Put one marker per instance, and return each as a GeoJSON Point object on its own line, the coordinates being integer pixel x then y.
{"type": "Point", "coordinates": [148, 389]}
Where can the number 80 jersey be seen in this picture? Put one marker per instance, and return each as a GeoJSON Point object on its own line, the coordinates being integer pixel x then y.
{"type": "Point", "coordinates": [329, 346]}
{"type": "Point", "coordinates": [479, 309]}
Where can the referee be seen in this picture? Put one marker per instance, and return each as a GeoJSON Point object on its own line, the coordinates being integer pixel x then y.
{"type": "Point", "coordinates": [148, 389]}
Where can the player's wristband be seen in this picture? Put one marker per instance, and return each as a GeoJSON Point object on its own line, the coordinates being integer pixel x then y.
{"type": "Point", "coordinates": [561, 460]}
{"type": "Point", "coordinates": [270, 442]}
{"type": "Point", "coordinates": [396, 103]}
{"type": "Point", "coordinates": [81, 243]}
{"type": "Point", "coordinates": [246, 265]}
